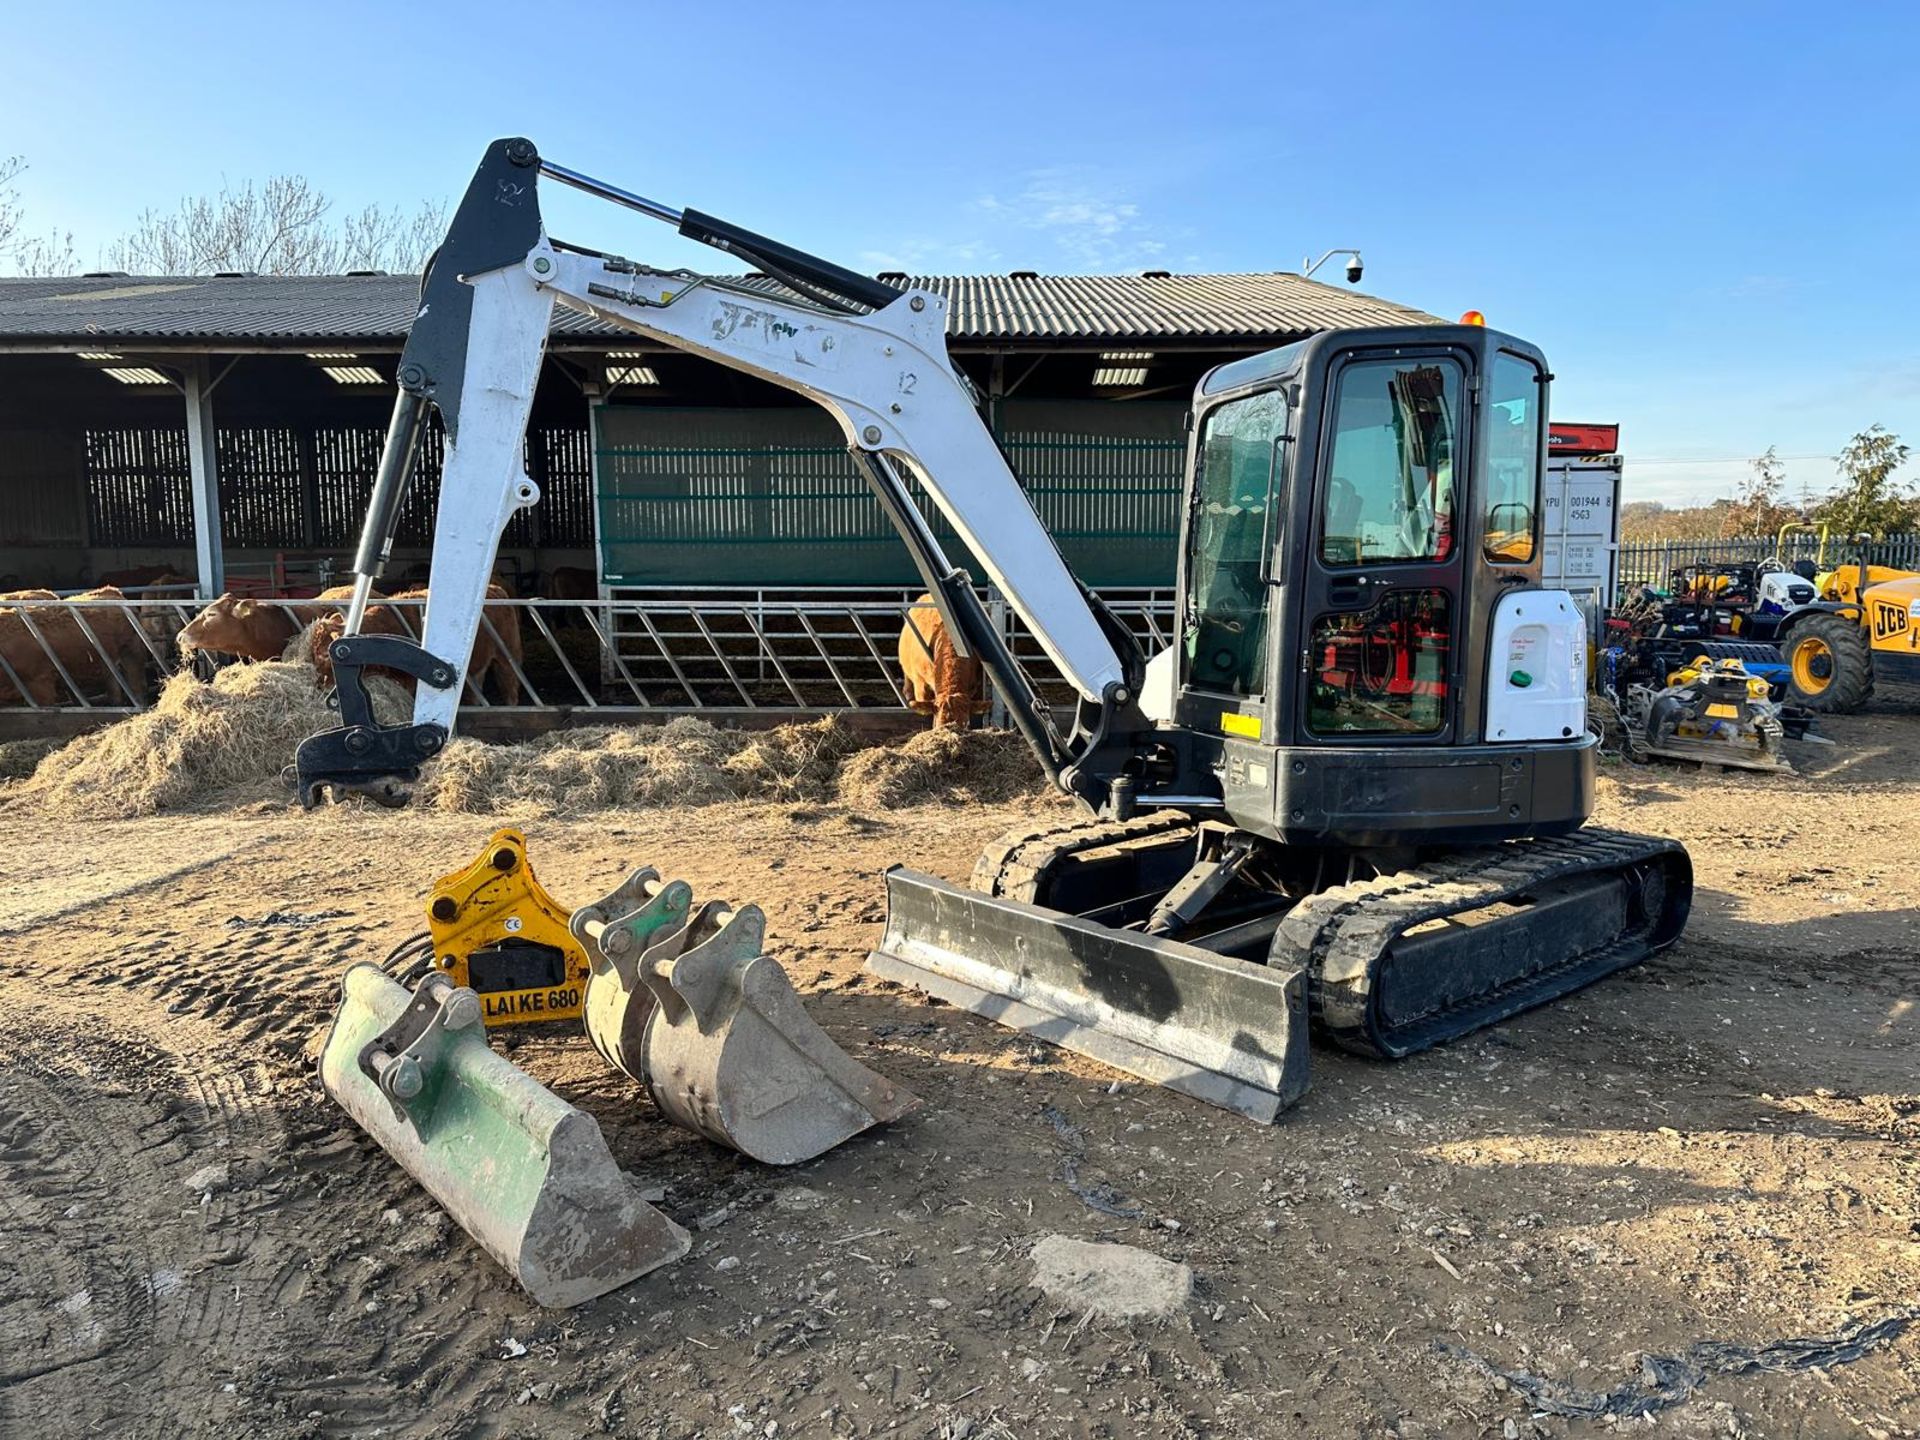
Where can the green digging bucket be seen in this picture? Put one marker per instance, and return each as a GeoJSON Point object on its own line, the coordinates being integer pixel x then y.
{"type": "Point", "coordinates": [1219, 1029]}
{"type": "Point", "coordinates": [524, 1173]}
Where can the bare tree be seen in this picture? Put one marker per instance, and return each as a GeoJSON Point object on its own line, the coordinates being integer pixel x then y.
{"type": "Point", "coordinates": [280, 227]}
{"type": "Point", "coordinates": [1760, 505]}
{"type": "Point", "coordinates": [382, 238]}
{"type": "Point", "coordinates": [50, 254]}
{"type": "Point", "coordinates": [10, 214]}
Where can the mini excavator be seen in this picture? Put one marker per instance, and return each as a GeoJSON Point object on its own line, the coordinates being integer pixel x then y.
{"type": "Point", "coordinates": [1351, 795]}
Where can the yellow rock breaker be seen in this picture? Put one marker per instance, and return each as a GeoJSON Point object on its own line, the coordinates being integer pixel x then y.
{"type": "Point", "coordinates": [1712, 711]}
{"type": "Point", "coordinates": [680, 997]}
{"type": "Point", "coordinates": [495, 930]}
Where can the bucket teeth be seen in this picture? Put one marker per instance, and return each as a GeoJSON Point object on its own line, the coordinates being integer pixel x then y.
{"type": "Point", "coordinates": [687, 1002]}
{"type": "Point", "coordinates": [527, 1175]}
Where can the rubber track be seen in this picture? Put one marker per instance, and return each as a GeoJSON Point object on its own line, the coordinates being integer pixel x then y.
{"type": "Point", "coordinates": [1342, 934]}
{"type": "Point", "coordinates": [1018, 864]}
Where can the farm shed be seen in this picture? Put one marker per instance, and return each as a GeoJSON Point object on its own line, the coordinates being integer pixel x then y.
{"type": "Point", "coordinates": [227, 427]}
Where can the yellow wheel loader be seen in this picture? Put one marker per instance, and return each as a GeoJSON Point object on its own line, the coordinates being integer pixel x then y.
{"type": "Point", "coordinates": [1352, 794]}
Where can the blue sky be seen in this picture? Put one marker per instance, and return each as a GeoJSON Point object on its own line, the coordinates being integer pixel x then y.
{"type": "Point", "coordinates": [1707, 215]}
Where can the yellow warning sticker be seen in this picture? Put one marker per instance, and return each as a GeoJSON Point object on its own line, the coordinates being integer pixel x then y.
{"type": "Point", "coordinates": [1723, 712]}
{"type": "Point", "coordinates": [1245, 726]}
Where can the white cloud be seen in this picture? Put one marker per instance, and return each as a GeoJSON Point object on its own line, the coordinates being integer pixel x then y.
{"type": "Point", "coordinates": [1090, 223]}
{"type": "Point", "coordinates": [926, 256]}
{"type": "Point", "coordinates": [1054, 219]}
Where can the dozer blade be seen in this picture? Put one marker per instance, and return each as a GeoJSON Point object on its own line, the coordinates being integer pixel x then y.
{"type": "Point", "coordinates": [731, 1053]}
{"type": "Point", "coordinates": [1219, 1029]}
{"type": "Point", "coordinates": [524, 1173]}
{"type": "Point", "coordinates": [615, 932]}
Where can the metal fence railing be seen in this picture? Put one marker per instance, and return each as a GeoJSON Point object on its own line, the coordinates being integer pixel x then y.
{"type": "Point", "coordinates": [720, 651]}
{"type": "Point", "coordinates": [716, 652]}
{"type": "Point", "coordinates": [1650, 562]}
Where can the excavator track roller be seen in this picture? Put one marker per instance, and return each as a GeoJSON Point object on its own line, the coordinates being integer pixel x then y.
{"type": "Point", "coordinates": [527, 1175]}
{"type": "Point", "coordinates": [1406, 961]}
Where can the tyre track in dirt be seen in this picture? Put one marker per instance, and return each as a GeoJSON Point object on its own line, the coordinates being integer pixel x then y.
{"type": "Point", "coordinates": [114, 1180]}
{"type": "Point", "coordinates": [196, 1057]}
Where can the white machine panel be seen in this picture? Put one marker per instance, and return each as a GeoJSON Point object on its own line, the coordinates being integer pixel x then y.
{"type": "Point", "coordinates": [1537, 669]}
{"type": "Point", "coordinates": [1581, 533]}
{"type": "Point", "coordinates": [1157, 690]}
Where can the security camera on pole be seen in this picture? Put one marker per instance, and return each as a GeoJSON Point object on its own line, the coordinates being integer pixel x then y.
{"type": "Point", "coordinates": [1355, 266]}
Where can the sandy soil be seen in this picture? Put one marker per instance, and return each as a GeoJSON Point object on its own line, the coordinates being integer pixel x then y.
{"type": "Point", "coordinates": [1719, 1146]}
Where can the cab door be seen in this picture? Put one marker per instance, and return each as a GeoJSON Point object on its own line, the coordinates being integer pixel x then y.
{"type": "Point", "coordinates": [1381, 598]}
{"type": "Point", "coordinates": [1224, 651]}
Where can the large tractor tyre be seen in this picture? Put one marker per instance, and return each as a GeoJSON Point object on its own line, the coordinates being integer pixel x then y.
{"type": "Point", "coordinates": [1829, 664]}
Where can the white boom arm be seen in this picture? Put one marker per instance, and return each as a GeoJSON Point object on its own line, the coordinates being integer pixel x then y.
{"type": "Point", "coordinates": [885, 377]}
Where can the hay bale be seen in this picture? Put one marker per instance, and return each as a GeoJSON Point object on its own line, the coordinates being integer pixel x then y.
{"type": "Point", "coordinates": [198, 744]}
{"type": "Point", "coordinates": [19, 758]}
{"type": "Point", "coordinates": [795, 762]}
{"type": "Point", "coordinates": [686, 762]}
{"type": "Point", "coordinates": [942, 767]}
{"type": "Point", "coordinates": [226, 743]}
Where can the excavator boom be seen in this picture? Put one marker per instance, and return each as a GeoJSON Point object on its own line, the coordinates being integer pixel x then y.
{"type": "Point", "coordinates": [873, 357]}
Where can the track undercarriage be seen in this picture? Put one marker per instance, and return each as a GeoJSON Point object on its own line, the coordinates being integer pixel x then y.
{"type": "Point", "coordinates": [1394, 951]}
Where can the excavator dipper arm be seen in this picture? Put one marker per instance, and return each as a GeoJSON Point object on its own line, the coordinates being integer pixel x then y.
{"type": "Point", "coordinates": [475, 352]}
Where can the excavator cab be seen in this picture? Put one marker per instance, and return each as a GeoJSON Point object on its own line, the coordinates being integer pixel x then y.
{"type": "Point", "coordinates": [1362, 518]}
{"type": "Point", "coordinates": [1369, 759]}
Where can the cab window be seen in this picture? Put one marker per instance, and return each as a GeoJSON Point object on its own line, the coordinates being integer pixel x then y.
{"type": "Point", "coordinates": [1390, 483]}
{"type": "Point", "coordinates": [1383, 670]}
{"type": "Point", "coordinates": [1513, 460]}
{"type": "Point", "coordinates": [1226, 603]}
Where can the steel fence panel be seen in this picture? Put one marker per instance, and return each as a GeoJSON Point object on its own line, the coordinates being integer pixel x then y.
{"type": "Point", "coordinates": [723, 653]}
{"type": "Point", "coordinates": [1652, 562]}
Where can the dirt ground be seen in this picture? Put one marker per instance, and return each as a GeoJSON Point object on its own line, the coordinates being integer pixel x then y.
{"type": "Point", "coordinates": [1716, 1147]}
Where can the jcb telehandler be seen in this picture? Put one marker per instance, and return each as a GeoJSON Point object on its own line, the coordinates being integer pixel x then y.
{"type": "Point", "coordinates": [1862, 628]}
{"type": "Point", "coordinates": [1352, 791]}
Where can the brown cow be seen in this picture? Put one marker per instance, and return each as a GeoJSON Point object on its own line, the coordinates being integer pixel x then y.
{"type": "Point", "coordinates": [113, 649]}
{"type": "Point", "coordinates": [254, 629]}
{"type": "Point", "coordinates": [570, 582]}
{"type": "Point", "coordinates": [940, 681]}
{"type": "Point", "coordinates": [141, 577]}
{"type": "Point", "coordinates": [487, 657]}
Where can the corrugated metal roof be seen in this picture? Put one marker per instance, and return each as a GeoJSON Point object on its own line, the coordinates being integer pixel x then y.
{"type": "Point", "coordinates": [375, 310]}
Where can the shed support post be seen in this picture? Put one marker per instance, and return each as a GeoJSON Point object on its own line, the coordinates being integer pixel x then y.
{"type": "Point", "coordinates": [309, 488]}
{"type": "Point", "coordinates": [203, 468]}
